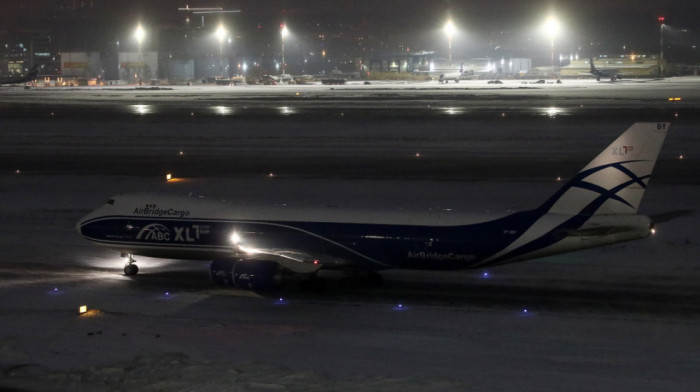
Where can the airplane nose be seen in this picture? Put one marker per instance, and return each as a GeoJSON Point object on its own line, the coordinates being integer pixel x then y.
{"type": "Point", "coordinates": [82, 221]}
{"type": "Point", "coordinates": [79, 226]}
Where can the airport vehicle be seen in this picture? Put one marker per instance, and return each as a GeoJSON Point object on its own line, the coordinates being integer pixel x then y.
{"type": "Point", "coordinates": [611, 73]}
{"type": "Point", "coordinates": [28, 77]}
{"type": "Point", "coordinates": [257, 248]}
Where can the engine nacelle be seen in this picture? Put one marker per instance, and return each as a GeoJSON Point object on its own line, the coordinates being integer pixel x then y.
{"type": "Point", "coordinates": [221, 271]}
{"type": "Point", "coordinates": [258, 275]}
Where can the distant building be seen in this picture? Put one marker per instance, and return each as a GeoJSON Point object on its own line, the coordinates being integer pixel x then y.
{"type": "Point", "coordinates": [137, 67]}
{"type": "Point", "coordinates": [402, 62]}
{"type": "Point", "coordinates": [81, 64]}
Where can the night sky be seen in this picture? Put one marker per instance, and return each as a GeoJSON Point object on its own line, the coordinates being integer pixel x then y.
{"type": "Point", "coordinates": [605, 25]}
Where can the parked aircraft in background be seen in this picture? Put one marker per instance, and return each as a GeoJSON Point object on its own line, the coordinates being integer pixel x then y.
{"type": "Point", "coordinates": [611, 73]}
{"type": "Point", "coordinates": [259, 248]}
{"type": "Point", "coordinates": [456, 76]}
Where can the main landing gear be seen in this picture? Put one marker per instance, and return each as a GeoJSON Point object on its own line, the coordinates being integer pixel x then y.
{"type": "Point", "coordinates": [130, 269]}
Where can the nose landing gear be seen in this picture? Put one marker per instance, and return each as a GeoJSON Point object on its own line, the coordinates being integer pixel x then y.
{"type": "Point", "coordinates": [131, 269]}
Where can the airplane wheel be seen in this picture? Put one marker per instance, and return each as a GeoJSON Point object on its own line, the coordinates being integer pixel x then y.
{"type": "Point", "coordinates": [131, 269]}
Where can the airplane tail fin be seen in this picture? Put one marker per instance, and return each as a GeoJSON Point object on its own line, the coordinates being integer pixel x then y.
{"type": "Point", "coordinates": [614, 182]}
{"type": "Point", "coordinates": [593, 69]}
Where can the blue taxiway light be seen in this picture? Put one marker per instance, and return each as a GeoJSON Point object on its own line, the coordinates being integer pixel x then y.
{"type": "Point", "coordinates": [167, 295]}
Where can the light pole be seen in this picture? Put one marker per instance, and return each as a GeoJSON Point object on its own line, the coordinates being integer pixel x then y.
{"type": "Point", "coordinates": [449, 32]}
{"type": "Point", "coordinates": [551, 27]}
{"type": "Point", "coordinates": [139, 34]}
{"type": "Point", "coordinates": [221, 34]}
{"type": "Point", "coordinates": [284, 32]}
{"type": "Point", "coordinates": [662, 21]}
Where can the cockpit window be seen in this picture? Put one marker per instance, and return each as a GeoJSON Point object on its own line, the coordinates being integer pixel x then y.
{"type": "Point", "coordinates": [110, 202]}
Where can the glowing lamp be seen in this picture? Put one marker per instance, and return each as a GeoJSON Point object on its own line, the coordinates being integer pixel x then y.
{"type": "Point", "coordinates": [83, 309]}
{"type": "Point", "coordinates": [450, 29]}
{"type": "Point", "coordinates": [168, 177]}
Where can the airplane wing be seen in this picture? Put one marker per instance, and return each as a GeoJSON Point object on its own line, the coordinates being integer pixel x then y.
{"type": "Point", "coordinates": [295, 261]}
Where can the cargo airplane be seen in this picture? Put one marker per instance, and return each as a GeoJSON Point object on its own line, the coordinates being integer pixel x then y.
{"type": "Point", "coordinates": [260, 248]}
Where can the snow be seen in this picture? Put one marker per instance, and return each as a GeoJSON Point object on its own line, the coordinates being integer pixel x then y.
{"type": "Point", "coordinates": [623, 317]}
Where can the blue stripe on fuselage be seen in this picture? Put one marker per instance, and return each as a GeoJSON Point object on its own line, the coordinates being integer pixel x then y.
{"type": "Point", "coordinates": [371, 246]}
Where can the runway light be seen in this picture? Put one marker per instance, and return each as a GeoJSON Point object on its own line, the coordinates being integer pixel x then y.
{"type": "Point", "coordinates": [83, 309]}
{"type": "Point", "coordinates": [558, 179]}
{"type": "Point", "coordinates": [168, 177]}
{"type": "Point", "coordinates": [400, 307]}
{"type": "Point", "coordinates": [281, 301]}
{"type": "Point", "coordinates": [271, 174]}
{"type": "Point", "coordinates": [18, 171]}
{"type": "Point", "coordinates": [417, 155]}
{"type": "Point", "coordinates": [681, 156]}
{"type": "Point", "coordinates": [182, 153]}
{"type": "Point", "coordinates": [485, 275]}
{"type": "Point", "coordinates": [653, 231]}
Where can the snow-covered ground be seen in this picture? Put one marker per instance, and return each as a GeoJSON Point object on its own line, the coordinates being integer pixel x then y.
{"type": "Point", "coordinates": [623, 317]}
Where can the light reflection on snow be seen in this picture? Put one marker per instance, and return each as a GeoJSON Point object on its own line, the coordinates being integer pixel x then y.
{"type": "Point", "coordinates": [286, 110]}
{"type": "Point", "coordinates": [141, 109]}
{"type": "Point", "coordinates": [553, 111]}
{"type": "Point", "coordinates": [452, 111]}
{"type": "Point", "coordinates": [223, 110]}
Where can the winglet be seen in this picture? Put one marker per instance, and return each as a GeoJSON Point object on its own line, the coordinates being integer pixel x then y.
{"type": "Point", "coordinates": [614, 182]}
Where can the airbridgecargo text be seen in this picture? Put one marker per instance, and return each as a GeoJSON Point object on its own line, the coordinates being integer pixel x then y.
{"type": "Point", "coordinates": [153, 210]}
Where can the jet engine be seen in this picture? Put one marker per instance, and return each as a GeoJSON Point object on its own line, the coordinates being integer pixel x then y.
{"type": "Point", "coordinates": [256, 275]}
